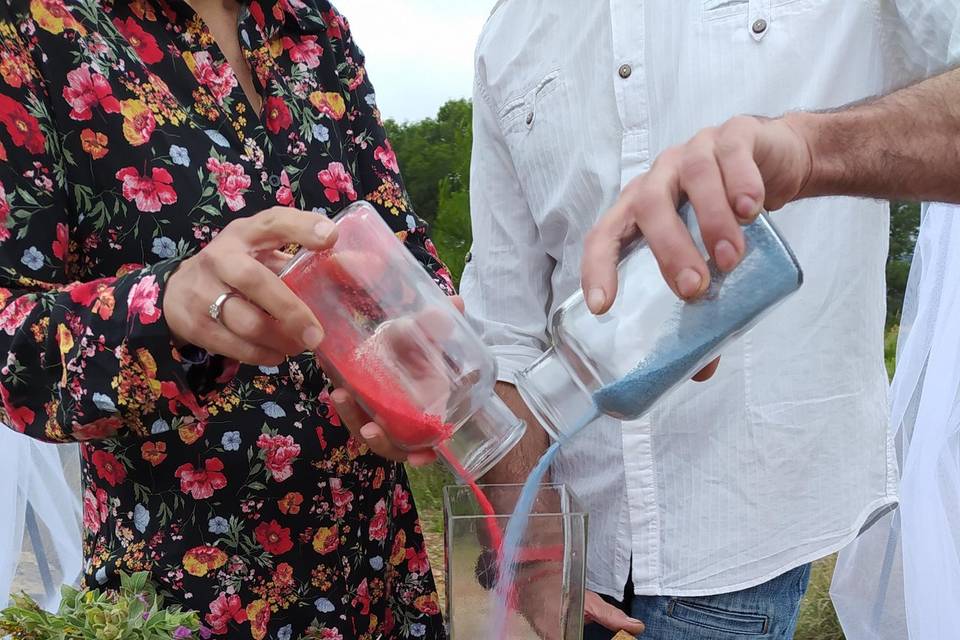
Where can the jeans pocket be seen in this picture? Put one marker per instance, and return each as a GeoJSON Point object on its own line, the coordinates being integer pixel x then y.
{"type": "Point", "coordinates": [723, 620]}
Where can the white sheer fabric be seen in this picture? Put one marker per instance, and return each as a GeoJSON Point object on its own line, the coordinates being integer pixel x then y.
{"type": "Point", "coordinates": [901, 579]}
{"type": "Point", "coordinates": [40, 518]}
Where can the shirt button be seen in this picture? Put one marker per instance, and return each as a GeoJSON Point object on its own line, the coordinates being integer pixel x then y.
{"type": "Point", "coordinates": [274, 181]}
{"type": "Point", "coordinates": [625, 71]}
{"type": "Point", "coordinates": [467, 258]}
{"type": "Point", "coordinates": [760, 26]}
{"type": "Point", "coordinates": [530, 118]}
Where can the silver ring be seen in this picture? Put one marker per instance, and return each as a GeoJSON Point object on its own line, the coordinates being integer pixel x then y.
{"type": "Point", "coordinates": [216, 309]}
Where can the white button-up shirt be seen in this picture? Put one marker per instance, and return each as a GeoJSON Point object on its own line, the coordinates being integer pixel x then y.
{"type": "Point", "coordinates": [783, 457]}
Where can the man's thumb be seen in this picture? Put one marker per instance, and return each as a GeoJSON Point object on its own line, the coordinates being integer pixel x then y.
{"type": "Point", "coordinates": [610, 617]}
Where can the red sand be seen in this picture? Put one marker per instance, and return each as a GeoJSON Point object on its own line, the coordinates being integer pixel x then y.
{"type": "Point", "coordinates": [493, 531]}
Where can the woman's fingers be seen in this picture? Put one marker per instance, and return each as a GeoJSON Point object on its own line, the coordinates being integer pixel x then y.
{"type": "Point", "coordinates": [380, 444]}
{"type": "Point", "coordinates": [258, 284]}
{"type": "Point", "coordinates": [350, 413]}
{"type": "Point", "coordinates": [363, 428]}
{"type": "Point", "coordinates": [274, 259]}
{"type": "Point", "coordinates": [366, 430]}
{"type": "Point", "coordinates": [280, 226]}
{"type": "Point", "coordinates": [221, 341]}
{"type": "Point", "coordinates": [249, 323]}
{"type": "Point", "coordinates": [422, 458]}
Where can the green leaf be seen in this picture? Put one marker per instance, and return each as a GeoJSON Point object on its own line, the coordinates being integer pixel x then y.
{"type": "Point", "coordinates": [26, 196]}
{"type": "Point", "coordinates": [133, 584]}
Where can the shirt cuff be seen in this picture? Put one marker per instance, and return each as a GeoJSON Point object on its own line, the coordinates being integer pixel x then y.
{"type": "Point", "coordinates": [512, 359]}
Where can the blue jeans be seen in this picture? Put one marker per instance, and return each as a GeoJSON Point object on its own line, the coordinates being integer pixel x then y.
{"type": "Point", "coordinates": [767, 611]}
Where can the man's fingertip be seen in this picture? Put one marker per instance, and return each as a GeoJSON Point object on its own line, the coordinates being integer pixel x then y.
{"type": "Point", "coordinates": [596, 300]}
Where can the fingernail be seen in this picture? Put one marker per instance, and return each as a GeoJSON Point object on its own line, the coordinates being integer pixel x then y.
{"type": "Point", "coordinates": [726, 255]}
{"type": "Point", "coordinates": [369, 432]}
{"type": "Point", "coordinates": [312, 337]}
{"type": "Point", "coordinates": [688, 283]}
{"type": "Point", "coordinates": [747, 207]}
{"type": "Point", "coordinates": [596, 298]}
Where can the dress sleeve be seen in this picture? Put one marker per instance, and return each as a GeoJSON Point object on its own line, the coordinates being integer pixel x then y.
{"type": "Point", "coordinates": [377, 166]}
{"type": "Point", "coordinates": [84, 359]}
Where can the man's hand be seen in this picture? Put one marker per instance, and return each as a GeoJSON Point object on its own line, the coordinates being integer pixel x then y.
{"type": "Point", "coordinates": [539, 601]}
{"type": "Point", "coordinates": [728, 174]}
{"type": "Point", "coordinates": [599, 611]}
{"type": "Point", "coordinates": [900, 146]}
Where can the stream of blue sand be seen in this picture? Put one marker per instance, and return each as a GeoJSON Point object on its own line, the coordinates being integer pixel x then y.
{"type": "Point", "coordinates": [517, 527]}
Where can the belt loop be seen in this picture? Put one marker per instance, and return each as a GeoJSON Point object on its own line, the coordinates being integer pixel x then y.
{"type": "Point", "coordinates": [760, 19]}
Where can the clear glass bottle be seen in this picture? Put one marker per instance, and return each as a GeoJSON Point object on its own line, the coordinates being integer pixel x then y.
{"type": "Point", "coordinates": [393, 339]}
{"type": "Point", "coordinates": [651, 341]}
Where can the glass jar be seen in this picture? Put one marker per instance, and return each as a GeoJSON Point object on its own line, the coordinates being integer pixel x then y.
{"type": "Point", "coordinates": [394, 340]}
{"type": "Point", "coordinates": [550, 579]}
{"type": "Point", "coordinates": [650, 341]}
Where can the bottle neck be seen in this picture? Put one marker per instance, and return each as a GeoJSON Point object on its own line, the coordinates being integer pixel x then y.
{"type": "Point", "coordinates": [483, 439]}
{"type": "Point", "coordinates": [554, 396]}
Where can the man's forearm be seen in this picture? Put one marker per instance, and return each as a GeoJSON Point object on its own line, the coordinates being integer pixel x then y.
{"type": "Point", "coordinates": [905, 145]}
{"type": "Point", "coordinates": [517, 464]}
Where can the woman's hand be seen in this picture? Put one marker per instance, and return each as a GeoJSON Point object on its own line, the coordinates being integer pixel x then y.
{"type": "Point", "coordinates": [265, 321]}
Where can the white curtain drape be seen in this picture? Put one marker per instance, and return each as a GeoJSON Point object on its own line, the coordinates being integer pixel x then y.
{"type": "Point", "coordinates": [40, 518]}
{"type": "Point", "coordinates": [901, 579]}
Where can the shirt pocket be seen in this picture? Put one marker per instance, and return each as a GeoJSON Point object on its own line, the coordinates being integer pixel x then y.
{"type": "Point", "coordinates": [519, 115]}
{"type": "Point", "coordinates": [536, 126]}
{"type": "Point", "coordinates": [755, 15]}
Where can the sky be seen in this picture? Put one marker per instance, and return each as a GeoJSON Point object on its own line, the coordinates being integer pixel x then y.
{"type": "Point", "coordinates": [419, 52]}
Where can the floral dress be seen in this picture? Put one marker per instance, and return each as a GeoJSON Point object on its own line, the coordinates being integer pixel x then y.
{"type": "Point", "coordinates": [126, 144]}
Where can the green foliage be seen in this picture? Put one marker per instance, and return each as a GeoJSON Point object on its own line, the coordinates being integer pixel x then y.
{"type": "Point", "coordinates": [427, 484]}
{"type": "Point", "coordinates": [434, 157]}
{"type": "Point", "coordinates": [818, 620]}
{"type": "Point", "coordinates": [134, 612]}
{"type": "Point", "coordinates": [890, 349]}
{"type": "Point", "coordinates": [451, 231]}
{"type": "Point", "coordinates": [431, 151]}
{"type": "Point", "coordinates": [904, 227]}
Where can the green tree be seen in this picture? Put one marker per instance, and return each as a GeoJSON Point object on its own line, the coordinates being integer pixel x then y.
{"type": "Point", "coordinates": [428, 153]}
{"type": "Point", "coordinates": [451, 231]}
{"type": "Point", "coordinates": [904, 227]}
